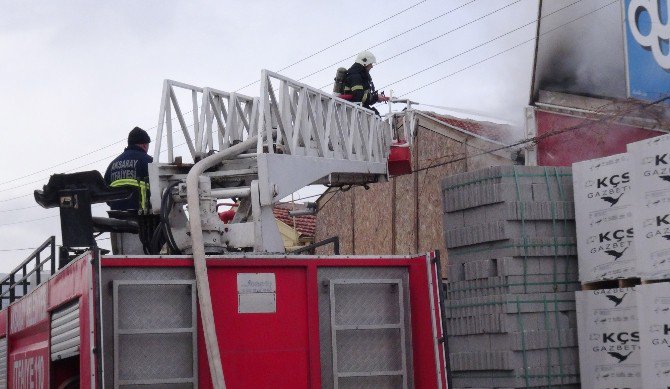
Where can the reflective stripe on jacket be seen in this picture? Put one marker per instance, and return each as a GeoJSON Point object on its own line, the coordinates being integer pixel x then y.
{"type": "Point", "coordinates": [142, 187]}
{"type": "Point", "coordinates": [359, 84]}
{"type": "Point", "coordinates": [131, 170]}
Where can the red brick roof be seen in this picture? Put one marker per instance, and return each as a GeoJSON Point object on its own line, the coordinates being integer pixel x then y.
{"type": "Point", "coordinates": [498, 132]}
{"type": "Point", "coordinates": [305, 225]}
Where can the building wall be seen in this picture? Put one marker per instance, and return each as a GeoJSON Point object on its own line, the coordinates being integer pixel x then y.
{"type": "Point", "coordinates": [595, 140]}
{"type": "Point", "coordinates": [335, 219]}
{"type": "Point", "coordinates": [404, 215]}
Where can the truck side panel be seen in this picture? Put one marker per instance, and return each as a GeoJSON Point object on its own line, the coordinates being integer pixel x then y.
{"type": "Point", "coordinates": [27, 327]}
{"type": "Point", "coordinates": [274, 319]}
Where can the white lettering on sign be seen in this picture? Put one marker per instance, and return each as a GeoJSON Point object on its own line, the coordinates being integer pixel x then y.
{"type": "Point", "coordinates": [29, 373]}
{"type": "Point", "coordinates": [29, 311]}
{"type": "Point", "coordinates": [659, 30]}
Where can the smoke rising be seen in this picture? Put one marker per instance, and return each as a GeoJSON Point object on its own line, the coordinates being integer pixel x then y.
{"type": "Point", "coordinates": [585, 57]}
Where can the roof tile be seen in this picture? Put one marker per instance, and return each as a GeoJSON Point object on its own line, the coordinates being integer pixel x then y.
{"type": "Point", "coordinates": [305, 224]}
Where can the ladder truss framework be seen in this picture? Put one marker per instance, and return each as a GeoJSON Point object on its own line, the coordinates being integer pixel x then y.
{"type": "Point", "coordinates": [304, 136]}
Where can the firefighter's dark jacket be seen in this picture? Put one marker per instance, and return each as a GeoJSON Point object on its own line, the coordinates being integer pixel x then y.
{"type": "Point", "coordinates": [358, 83]}
{"type": "Point", "coordinates": [130, 170]}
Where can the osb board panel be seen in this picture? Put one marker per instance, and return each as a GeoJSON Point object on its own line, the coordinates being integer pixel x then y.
{"type": "Point", "coordinates": [405, 215]}
{"type": "Point", "coordinates": [435, 149]}
{"type": "Point", "coordinates": [372, 219]}
{"type": "Point", "coordinates": [334, 219]}
{"type": "Point", "coordinates": [431, 235]}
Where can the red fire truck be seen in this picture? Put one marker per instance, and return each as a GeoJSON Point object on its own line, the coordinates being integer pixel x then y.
{"type": "Point", "coordinates": [213, 305]}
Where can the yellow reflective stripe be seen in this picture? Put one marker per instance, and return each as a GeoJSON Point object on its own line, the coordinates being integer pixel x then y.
{"type": "Point", "coordinates": [357, 87]}
{"type": "Point", "coordinates": [347, 89]}
{"type": "Point", "coordinates": [129, 182]}
{"type": "Point", "coordinates": [143, 187]}
{"type": "Point", "coordinates": [365, 97]}
{"type": "Point", "coordinates": [143, 197]}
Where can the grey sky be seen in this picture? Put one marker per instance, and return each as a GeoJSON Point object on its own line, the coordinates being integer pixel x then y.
{"type": "Point", "coordinates": [76, 76]}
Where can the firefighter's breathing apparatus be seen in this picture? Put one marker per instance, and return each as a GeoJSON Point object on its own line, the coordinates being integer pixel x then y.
{"type": "Point", "coordinates": [340, 75]}
{"type": "Point", "coordinates": [338, 86]}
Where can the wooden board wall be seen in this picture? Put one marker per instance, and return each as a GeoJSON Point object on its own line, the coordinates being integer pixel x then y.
{"type": "Point", "coordinates": [335, 219]}
{"type": "Point", "coordinates": [404, 215]}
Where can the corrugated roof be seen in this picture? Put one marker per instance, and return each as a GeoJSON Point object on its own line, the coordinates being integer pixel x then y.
{"type": "Point", "coordinates": [305, 224]}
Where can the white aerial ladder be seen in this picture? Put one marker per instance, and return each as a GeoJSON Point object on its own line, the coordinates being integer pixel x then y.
{"type": "Point", "coordinates": [290, 137]}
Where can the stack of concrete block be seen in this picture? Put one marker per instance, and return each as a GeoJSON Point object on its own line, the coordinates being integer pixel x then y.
{"type": "Point", "coordinates": [604, 205]}
{"type": "Point", "coordinates": [654, 325]}
{"type": "Point", "coordinates": [609, 338]}
{"type": "Point", "coordinates": [651, 197]}
{"type": "Point", "coordinates": [511, 246]}
{"type": "Point", "coordinates": [606, 313]}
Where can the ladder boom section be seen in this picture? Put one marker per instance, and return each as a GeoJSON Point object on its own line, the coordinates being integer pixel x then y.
{"type": "Point", "coordinates": [311, 122]}
{"type": "Point", "coordinates": [291, 118]}
{"type": "Point", "coordinates": [303, 136]}
{"type": "Point", "coordinates": [225, 116]}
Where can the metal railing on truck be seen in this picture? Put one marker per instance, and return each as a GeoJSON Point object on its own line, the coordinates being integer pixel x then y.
{"type": "Point", "coordinates": [34, 264]}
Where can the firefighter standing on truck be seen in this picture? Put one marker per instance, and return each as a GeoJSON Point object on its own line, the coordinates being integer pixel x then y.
{"type": "Point", "coordinates": [131, 170]}
{"type": "Point", "coordinates": [358, 82]}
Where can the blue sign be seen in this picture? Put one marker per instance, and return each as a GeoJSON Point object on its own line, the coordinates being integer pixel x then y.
{"type": "Point", "coordinates": [647, 48]}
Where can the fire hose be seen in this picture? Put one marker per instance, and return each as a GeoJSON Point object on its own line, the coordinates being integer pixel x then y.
{"type": "Point", "coordinates": [201, 277]}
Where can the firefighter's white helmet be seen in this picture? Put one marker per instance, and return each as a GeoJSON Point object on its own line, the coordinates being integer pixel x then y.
{"type": "Point", "coordinates": [366, 58]}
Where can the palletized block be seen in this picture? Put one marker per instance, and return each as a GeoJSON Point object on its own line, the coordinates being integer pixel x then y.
{"type": "Point", "coordinates": [559, 211]}
{"type": "Point", "coordinates": [485, 232]}
{"type": "Point", "coordinates": [557, 375]}
{"type": "Point", "coordinates": [455, 272]}
{"type": "Point", "coordinates": [604, 218]}
{"type": "Point", "coordinates": [565, 267]}
{"type": "Point", "coordinates": [512, 360]}
{"type": "Point", "coordinates": [513, 183]}
{"type": "Point", "coordinates": [609, 343]}
{"type": "Point", "coordinates": [453, 220]}
{"type": "Point", "coordinates": [654, 317]}
{"type": "Point", "coordinates": [518, 247]}
{"type": "Point", "coordinates": [514, 341]}
{"type": "Point", "coordinates": [510, 173]}
{"type": "Point", "coordinates": [651, 191]}
{"type": "Point", "coordinates": [538, 283]}
{"type": "Point", "coordinates": [505, 323]}
{"type": "Point", "coordinates": [481, 195]}
{"type": "Point", "coordinates": [510, 304]}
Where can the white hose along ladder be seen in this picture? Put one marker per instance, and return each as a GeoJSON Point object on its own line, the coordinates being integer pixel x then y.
{"type": "Point", "coordinates": [258, 150]}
